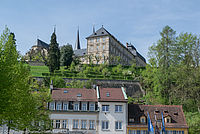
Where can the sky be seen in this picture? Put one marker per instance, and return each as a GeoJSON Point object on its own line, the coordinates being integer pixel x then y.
{"type": "Point", "coordinates": [137, 21]}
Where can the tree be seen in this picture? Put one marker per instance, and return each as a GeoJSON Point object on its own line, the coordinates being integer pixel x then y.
{"type": "Point", "coordinates": [66, 53]}
{"type": "Point", "coordinates": [53, 54]}
{"type": "Point", "coordinates": [17, 103]}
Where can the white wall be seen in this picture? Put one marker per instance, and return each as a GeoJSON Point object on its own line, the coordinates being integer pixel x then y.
{"type": "Point", "coordinates": [112, 117]}
{"type": "Point", "coordinates": [70, 116]}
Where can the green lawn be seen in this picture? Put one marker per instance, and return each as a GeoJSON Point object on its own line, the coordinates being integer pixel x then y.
{"type": "Point", "coordinates": [38, 70]}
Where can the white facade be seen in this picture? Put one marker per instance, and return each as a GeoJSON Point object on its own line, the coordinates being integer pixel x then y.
{"type": "Point", "coordinates": [117, 119]}
{"type": "Point", "coordinates": [71, 118]}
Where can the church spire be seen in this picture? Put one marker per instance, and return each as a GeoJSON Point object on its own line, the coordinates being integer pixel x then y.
{"type": "Point", "coordinates": [93, 29]}
{"type": "Point", "coordinates": [77, 45]}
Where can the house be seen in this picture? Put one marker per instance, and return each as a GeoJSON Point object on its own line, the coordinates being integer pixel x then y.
{"type": "Point", "coordinates": [112, 103]}
{"type": "Point", "coordinates": [174, 119]}
{"type": "Point", "coordinates": [90, 111]}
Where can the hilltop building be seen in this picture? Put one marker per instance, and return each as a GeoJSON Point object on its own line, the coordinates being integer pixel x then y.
{"type": "Point", "coordinates": [40, 47]}
{"type": "Point", "coordinates": [105, 48]}
{"type": "Point", "coordinates": [102, 47]}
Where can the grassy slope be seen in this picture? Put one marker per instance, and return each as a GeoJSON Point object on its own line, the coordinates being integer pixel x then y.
{"type": "Point", "coordinates": [38, 70]}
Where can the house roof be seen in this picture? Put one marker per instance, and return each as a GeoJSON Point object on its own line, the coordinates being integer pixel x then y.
{"type": "Point", "coordinates": [74, 94]}
{"type": "Point", "coordinates": [80, 52]}
{"type": "Point", "coordinates": [135, 111]}
{"type": "Point", "coordinates": [42, 44]}
{"type": "Point", "coordinates": [111, 94]}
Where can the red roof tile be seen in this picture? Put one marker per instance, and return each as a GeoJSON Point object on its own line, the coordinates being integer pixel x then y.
{"type": "Point", "coordinates": [115, 94]}
{"type": "Point", "coordinates": [70, 94]}
{"type": "Point", "coordinates": [135, 111]}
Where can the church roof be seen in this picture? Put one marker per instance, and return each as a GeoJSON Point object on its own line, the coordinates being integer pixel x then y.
{"type": "Point", "coordinates": [41, 44]}
{"type": "Point", "coordinates": [80, 52]}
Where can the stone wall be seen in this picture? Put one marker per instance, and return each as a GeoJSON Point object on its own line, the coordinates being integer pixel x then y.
{"type": "Point", "coordinates": [133, 88]}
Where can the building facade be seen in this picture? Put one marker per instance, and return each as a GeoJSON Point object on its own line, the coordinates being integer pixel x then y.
{"type": "Point", "coordinates": [103, 47]}
{"type": "Point", "coordinates": [88, 111]}
{"type": "Point", "coordinates": [174, 119]}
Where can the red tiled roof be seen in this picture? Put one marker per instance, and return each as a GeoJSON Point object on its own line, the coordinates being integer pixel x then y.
{"type": "Point", "coordinates": [135, 111]}
{"type": "Point", "coordinates": [115, 94]}
{"type": "Point", "coordinates": [71, 94]}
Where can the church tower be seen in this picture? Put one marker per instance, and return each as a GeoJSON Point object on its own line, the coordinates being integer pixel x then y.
{"type": "Point", "coordinates": [77, 45]}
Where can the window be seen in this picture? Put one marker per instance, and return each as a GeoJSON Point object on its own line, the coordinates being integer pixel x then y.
{"type": "Point", "coordinates": [65, 106]}
{"type": "Point", "coordinates": [51, 107]}
{"type": "Point", "coordinates": [105, 125]}
{"type": "Point", "coordinates": [97, 48]}
{"type": "Point", "coordinates": [104, 39]}
{"type": "Point", "coordinates": [118, 108]}
{"type": "Point", "coordinates": [76, 107]}
{"type": "Point", "coordinates": [103, 47]}
{"type": "Point", "coordinates": [118, 125]}
{"type": "Point", "coordinates": [98, 39]}
{"type": "Point", "coordinates": [57, 123]}
{"type": "Point", "coordinates": [143, 119]}
{"type": "Point", "coordinates": [91, 48]}
{"type": "Point", "coordinates": [52, 122]}
{"type": "Point", "coordinates": [91, 124]}
{"type": "Point", "coordinates": [143, 131]}
{"type": "Point", "coordinates": [105, 108]}
{"type": "Point", "coordinates": [83, 124]}
{"type": "Point", "coordinates": [64, 124]}
{"type": "Point", "coordinates": [75, 124]}
{"type": "Point", "coordinates": [58, 107]}
{"type": "Point", "coordinates": [168, 119]}
{"type": "Point", "coordinates": [92, 107]}
{"type": "Point", "coordinates": [84, 107]}
{"type": "Point", "coordinates": [132, 132]}
{"type": "Point", "coordinates": [91, 40]}
{"type": "Point", "coordinates": [108, 94]}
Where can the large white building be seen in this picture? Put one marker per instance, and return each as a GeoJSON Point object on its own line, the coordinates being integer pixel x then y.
{"type": "Point", "coordinates": [89, 111]}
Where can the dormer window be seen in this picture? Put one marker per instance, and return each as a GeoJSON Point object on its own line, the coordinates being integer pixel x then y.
{"type": "Point", "coordinates": [168, 119]}
{"type": "Point", "coordinates": [176, 113]}
{"type": "Point", "coordinates": [79, 95]}
{"type": "Point", "coordinates": [143, 119]}
{"type": "Point", "coordinates": [108, 94]}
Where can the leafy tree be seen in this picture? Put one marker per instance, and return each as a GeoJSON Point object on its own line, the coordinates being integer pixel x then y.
{"type": "Point", "coordinates": [17, 103]}
{"type": "Point", "coordinates": [53, 54]}
{"type": "Point", "coordinates": [66, 55]}
{"type": "Point", "coordinates": [58, 82]}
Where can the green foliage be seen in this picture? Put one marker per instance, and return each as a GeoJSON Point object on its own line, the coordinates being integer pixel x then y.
{"type": "Point", "coordinates": [80, 84]}
{"type": "Point", "coordinates": [66, 55]}
{"type": "Point", "coordinates": [173, 74]}
{"type": "Point", "coordinates": [58, 82]}
{"type": "Point", "coordinates": [17, 103]}
{"type": "Point", "coordinates": [53, 54]}
{"type": "Point", "coordinates": [193, 120]}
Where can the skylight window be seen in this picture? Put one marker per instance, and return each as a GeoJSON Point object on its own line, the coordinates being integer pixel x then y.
{"type": "Point", "coordinates": [108, 94]}
{"type": "Point", "coordinates": [79, 95]}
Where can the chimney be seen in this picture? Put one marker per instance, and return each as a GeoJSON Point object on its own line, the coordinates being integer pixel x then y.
{"type": "Point", "coordinates": [126, 44]}
{"type": "Point", "coordinates": [51, 86]}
